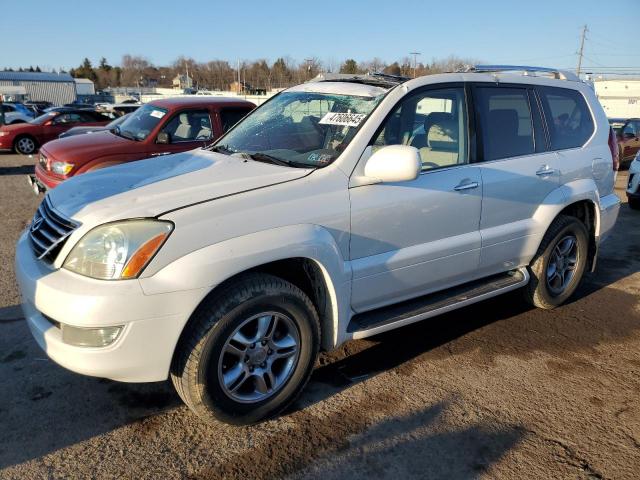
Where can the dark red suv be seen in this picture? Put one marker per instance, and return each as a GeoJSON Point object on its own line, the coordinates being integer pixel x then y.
{"type": "Point", "coordinates": [160, 127]}
{"type": "Point", "coordinates": [629, 140]}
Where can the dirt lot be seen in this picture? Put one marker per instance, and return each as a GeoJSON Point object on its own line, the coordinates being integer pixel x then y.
{"type": "Point", "coordinates": [496, 390]}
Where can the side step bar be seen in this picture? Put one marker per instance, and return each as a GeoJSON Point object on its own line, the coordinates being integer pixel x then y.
{"type": "Point", "coordinates": [387, 318]}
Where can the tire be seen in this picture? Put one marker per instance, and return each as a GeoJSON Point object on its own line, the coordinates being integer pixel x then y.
{"type": "Point", "coordinates": [547, 289]}
{"type": "Point", "coordinates": [25, 145]}
{"type": "Point", "coordinates": [634, 203]}
{"type": "Point", "coordinates": [208, 351]}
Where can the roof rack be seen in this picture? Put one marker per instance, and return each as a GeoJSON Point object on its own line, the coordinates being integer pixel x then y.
{"type": "Point", "coordinates": [376, 79]}
{"type": "Point", "coordinates": [526, 70]}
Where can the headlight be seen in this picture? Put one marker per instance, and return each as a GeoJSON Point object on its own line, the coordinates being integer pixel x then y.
{"type": "Point", "coordinates": [119, 250]}
{"type": "Point", "coordinates": [61, 168]}
{"type": "Point", "coordinates": [2, 134]}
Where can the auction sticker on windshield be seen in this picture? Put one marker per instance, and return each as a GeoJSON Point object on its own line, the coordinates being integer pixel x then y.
{"type": "Point", "coordinates": [157, 113]}
{"type": "Point", "coordinates": [345, 119]}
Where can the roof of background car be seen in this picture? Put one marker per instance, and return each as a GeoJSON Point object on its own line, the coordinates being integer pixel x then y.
{"type": "Point", "coordinates": [175, 102]}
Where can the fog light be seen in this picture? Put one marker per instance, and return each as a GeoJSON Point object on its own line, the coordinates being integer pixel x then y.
{"type": "Point", "coordinates": [89, 337]}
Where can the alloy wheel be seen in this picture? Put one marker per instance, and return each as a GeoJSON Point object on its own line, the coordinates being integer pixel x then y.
{"type": "Point", "coordinates": [259, 357]}
{"type": "Point", "coordinates": [562, 264]}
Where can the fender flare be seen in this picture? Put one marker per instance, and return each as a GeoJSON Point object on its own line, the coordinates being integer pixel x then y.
{"type": "Point", "coordinates": [210, 266]}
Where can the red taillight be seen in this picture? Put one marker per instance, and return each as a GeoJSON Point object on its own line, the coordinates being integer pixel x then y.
{"type": "Point", "coordinates": [613, 146]}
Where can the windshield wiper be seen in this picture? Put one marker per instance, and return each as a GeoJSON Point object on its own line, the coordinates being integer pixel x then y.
{"type": "Point", "coordinates": [263, 157]}
{"type": "Point", "coordinates": [222, 149]}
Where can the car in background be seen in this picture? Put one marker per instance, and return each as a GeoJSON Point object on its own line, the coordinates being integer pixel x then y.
{"type": "Point", "coordinates": [617, 124]}
{"type": "Point", "coordinates": [118, 109]}
{"type": "Point", "coordinates": [633, 185]}
{"type": "Point", "coordinates": [157, 128]}
{"type": "Point", "coordinates": [25, 138]}
{"type": "Point", "coordinates": [16, 113]}
{"type": "Point", "coordinates": [38, 107]}
{"type": "Point", "coordinates": [87, 129]}
{"type": "Point", "coordinates": [628, 137]}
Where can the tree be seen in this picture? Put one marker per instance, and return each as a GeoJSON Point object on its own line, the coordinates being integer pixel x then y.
{"type": "Point", "coordinates": [104, 65]}
{"type": "Point", "coordinates": [393, 69]}
{"type": "Point", "coordinates": [349, 66]}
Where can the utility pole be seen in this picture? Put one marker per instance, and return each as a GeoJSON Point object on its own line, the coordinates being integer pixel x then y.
{"type": "Point", "coordinates": [415, 62]}
{"type": "Point", "coordinates": [581, 52]}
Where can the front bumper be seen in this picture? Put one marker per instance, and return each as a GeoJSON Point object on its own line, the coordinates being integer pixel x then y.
{"type": "Point", "coordinates": [152, 323]}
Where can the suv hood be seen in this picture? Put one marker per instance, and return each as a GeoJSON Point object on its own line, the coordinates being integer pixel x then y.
{"type": "Point", "coordinates": [148, 188]}
{"type": "Point", "coordinates": [81, 149]}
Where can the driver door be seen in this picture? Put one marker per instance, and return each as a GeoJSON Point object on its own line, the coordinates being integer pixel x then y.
{"type": "Point", "coordinates": [413, 238]}
{"type": "Point", "coordinates": [187, 129]}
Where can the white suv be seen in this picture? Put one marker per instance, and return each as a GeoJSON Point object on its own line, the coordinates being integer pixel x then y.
{"type": "Point", "coordinates": [339, 209]}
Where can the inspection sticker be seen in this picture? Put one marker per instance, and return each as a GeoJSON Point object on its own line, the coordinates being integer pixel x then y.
{"type": "Point", "coordinates": [346, 119]}
{"type": "Point", "coordinates": [157, 113]}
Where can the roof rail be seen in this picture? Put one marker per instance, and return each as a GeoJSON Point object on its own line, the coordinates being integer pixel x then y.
{"type": "Point", "coordinates": [526, 70]}
{"type": "Point", "coordinates": [378, 79]}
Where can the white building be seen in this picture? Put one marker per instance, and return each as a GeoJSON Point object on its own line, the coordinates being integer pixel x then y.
{"type": "Point", "coordinates": [84, 86]}
{"type": "Point", "coordinates": [619, 98]}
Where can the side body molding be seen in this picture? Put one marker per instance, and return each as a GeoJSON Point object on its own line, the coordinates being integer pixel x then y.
{"type": "Point", "coordinates": [210, 266]}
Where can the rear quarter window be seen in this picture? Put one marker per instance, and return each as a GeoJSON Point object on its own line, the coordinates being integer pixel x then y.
{"type": "Point", "coordinates": [568, 117]}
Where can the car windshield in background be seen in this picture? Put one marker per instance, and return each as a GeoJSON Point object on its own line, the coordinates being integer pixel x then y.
{"type": "Point", "coordinates": [300, 129]}
{"type": "Point", "coordinates": [43, 118]}
{"type": "Point", "coordinates": [141, 123]}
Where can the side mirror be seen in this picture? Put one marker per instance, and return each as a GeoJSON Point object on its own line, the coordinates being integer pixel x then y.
{"type": "Point", "coordinates": [394, 163]}
{"type": "Point", "coordinates": [163, 138]}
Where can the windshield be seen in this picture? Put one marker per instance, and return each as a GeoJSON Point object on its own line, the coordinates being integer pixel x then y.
{"type": "Point", "coordinates": [301, 129]}
{"type": "Point", "coordinates": [117, 121]}
{"type": "Point", "coordinates": [43, 118]}
{"type": "Point", "coordinates": [141, 123]}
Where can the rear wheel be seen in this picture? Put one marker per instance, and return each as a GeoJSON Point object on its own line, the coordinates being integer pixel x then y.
{"type": "Point", "coordinates": [248, 351]}
{"type": "Point", "coordinates": [25, 145]}
{"type": "Point", "coordinates": [559, 264]}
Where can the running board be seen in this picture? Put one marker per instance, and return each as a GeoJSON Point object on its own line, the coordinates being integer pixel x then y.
{"type": "Point", "coordinates": [387, 318]}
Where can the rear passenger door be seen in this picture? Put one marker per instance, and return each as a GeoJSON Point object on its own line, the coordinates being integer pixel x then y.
{"type": "Point", "coordinates": [229, 117]}
{"type": "Point", "coordinates": [518, 173]}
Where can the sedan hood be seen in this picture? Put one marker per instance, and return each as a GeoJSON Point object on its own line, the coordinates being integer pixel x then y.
{"type": "Point", "coordinates": [148, 188]}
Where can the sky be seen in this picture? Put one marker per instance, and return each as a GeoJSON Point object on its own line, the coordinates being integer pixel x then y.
{"type": "Point", "coordinates": [60, 33]}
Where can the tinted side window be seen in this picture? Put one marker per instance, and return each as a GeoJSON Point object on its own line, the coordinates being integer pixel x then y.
{"type": "Point", "coordinates": [504, 117]}
{"type": "Point", "coordinates": [229, 117]}
{"type": "Point", "coordinates": [434, 122]}
{"type": "Point", "coordinates": [568, 117]}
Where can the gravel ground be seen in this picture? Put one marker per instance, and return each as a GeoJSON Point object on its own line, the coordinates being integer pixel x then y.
{"type": "Point", "coordinates": [496, 390]}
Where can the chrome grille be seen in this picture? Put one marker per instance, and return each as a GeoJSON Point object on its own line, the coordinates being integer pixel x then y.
{"type": "Point", "coordinates": [49, 230]}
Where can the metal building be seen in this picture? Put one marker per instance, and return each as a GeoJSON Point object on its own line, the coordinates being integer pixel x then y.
{"type": "Point", "coordinates": [57, 88]}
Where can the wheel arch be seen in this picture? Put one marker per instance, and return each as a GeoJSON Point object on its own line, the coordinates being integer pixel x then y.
{"type": "Point", "coordinates": [578, 199]}
{"type": "Point", "coordinates": [305, 255]}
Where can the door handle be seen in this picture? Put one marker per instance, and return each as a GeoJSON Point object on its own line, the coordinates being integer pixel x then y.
{"type": "Point", "coordinates": [465, 186]}
{"type": "Point", "coordinates": [545, 170]}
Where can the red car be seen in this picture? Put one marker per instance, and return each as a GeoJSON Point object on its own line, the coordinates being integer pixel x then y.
{"type": "Point", "coordinates": [160, 127]}
{"type": "Point", "coordinates": [629, 140]}
{"type": "Point", "coordinates": [25, 138]}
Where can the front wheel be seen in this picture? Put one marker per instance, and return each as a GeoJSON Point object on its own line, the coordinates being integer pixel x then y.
{"type": "Point", "coordinates": [248, 351]}
{"type": "Point", "coordinates": [25, 145]}
{"type": "Point", "coordinates": [559, 264]}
